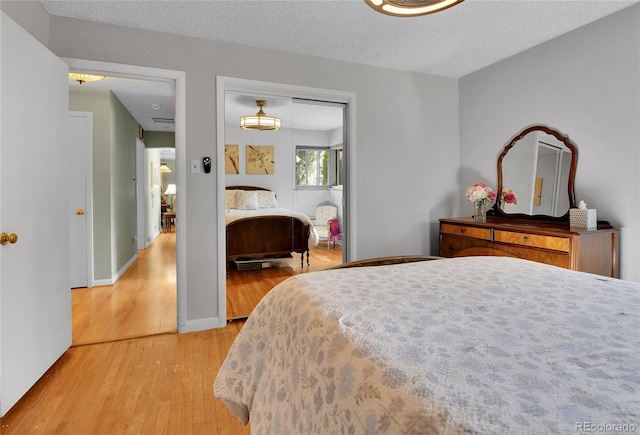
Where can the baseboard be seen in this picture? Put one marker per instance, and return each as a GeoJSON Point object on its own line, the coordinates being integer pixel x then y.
{"type": "Point", "coordinates": [113, 279]}
{"type": "Point", "coordinates": [151, 238]}
{"type": "Point", "coordinates": [124, 268]}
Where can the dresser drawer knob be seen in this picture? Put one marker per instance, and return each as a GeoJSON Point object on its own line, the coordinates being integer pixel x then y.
{"type": "Point", "coordinates": [526, 239]}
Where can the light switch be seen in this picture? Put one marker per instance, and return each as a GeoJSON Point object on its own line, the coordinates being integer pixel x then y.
{"type": "Point", "coordinates": [195, 166]}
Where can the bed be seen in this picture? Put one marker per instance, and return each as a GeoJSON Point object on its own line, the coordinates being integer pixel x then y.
{"type": "Point", "coordinates": [256, 228]}
{"type": "Point", "coordinates": [492, 345]}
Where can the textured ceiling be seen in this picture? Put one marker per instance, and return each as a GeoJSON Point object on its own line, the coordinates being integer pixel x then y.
{"type": "Point", "coordinates": [451, 43]}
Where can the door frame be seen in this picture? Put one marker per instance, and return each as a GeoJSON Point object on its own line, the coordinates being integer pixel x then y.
{"type": "Point", "coordinates": [224, 84]}
{"type": "Point", "coordinates": [148, 73]}
{"type": "Point", "coordinates": [89, 190]}
{"type": "Point", "coordinates": [141, 218]}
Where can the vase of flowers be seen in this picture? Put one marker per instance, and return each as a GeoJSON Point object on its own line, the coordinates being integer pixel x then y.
{"type": "Point", "coordinates": [507, 196]}
{"type": "Point", "coordinates": [481, 196]}
{"type": "Point", "coordinates": [479, 211]}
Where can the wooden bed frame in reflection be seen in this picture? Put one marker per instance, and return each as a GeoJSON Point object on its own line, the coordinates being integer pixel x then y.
{"type": "Point", "coordinates": [266, 236]}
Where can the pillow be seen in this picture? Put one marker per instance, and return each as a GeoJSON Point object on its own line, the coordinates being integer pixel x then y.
{"type": "Point", "coordinates": [266, 199]}
{"type": "Point", "coordinates": [247, 200]}
{"type": "Point", "coordinates": [230, 200]}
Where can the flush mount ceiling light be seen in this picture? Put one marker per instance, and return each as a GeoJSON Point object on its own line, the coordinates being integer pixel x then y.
{"type": "Point", "coordinates": [411, 8]}
{"type": "Point", "coordinates": [260, 121]}
{"type": "Point", "coordinates": [85, 78]}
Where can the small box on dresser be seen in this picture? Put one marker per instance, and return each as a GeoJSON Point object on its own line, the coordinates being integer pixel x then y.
{"type": "Point", "coordinates": [583, 219]}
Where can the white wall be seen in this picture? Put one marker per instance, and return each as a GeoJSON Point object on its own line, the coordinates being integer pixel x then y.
{"type": "Point", "coordinates": [406, 127]}
{"type": "Point", "coordinates": [31, 16]}
{"type": "Point", "coordinates": [152, 197]}
{"type": "Point", "coordinates": [585, 84]}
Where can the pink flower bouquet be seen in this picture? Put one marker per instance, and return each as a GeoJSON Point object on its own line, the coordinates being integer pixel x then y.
{"type": "Point", "coordinates": [508, 196]}
{"type": "Point", "coordinates": [480, 192]}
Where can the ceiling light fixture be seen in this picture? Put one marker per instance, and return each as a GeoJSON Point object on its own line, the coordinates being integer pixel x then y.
{"type": "Point", "coordinates": [85, 78]}
{"type": "Point", "coordinates": [164, 168]}
{"type": "Point", "coordinates": [260, 121]}
{"type": "Point", "coordinates": [410, 8]}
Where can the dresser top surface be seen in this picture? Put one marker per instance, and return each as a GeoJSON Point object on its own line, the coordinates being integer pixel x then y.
{"type": "Point", "coordinates": [527, 226]}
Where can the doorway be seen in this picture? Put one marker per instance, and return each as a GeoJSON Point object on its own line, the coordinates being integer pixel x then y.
{"type": "Point", "coordinates": [331, 185]}
{"type": "Point", "coordinates": [81, 198]}
{"type": "Point", "coordinates": [172, 242]}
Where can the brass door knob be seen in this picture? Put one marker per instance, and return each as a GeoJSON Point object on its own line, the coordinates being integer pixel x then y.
{"type": "Point", "coordinates": [11, 238]}
{"type": "Point", "coordinates": [79, 212]}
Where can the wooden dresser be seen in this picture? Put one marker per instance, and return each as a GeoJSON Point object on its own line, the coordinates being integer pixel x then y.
{"type": "Point", "coordinates": [593, 251]}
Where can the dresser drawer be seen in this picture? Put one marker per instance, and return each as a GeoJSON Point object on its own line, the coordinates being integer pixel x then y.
{"type": "Point", "coordinates": [532, 240]}
{"type": "Point", "coordinates": [461, 230]}
{"type": "Point", "coordinates": [554, 243]}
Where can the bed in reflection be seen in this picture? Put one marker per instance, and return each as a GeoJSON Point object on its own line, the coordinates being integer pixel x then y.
{"type": "Point", "coordinates": [460, 345]}
{"type": "Point", "coordinates": [257, 228]}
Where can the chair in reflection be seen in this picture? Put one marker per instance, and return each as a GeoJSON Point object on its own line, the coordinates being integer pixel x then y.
{"type": "Point", "coordinates": [325, 218]}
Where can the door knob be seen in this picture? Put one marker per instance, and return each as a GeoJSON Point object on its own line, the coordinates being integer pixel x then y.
{"type": "Point", "coordinates": [11, 238]}
{"type": "Point", "coordinates": [79, 212]}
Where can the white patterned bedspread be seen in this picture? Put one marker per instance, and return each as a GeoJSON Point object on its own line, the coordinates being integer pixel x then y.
{"type": "Point", "coordinates": [491, 345]}
{"type": "Point", "coordinates": [234, 214]}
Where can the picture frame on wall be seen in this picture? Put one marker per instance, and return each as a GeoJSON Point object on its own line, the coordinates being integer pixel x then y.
{"type": "Point", "coordinates": [260, 159]}
{"type": "Point", "coordinates": [155, 175]}
{"type": "Point", "coordinates": [231, 159]}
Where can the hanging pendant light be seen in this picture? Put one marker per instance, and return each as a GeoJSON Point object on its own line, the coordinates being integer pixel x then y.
{"type": "Point", "coordinates": [260, 121]}
{"type": "Point", "coordinates": [411, 8]}
{"type": "Point", "coordinates": [164, 168]}
{"type": "Point", "coordinates": [85, 78]}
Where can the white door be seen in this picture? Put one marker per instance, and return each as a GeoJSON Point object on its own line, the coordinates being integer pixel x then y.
{"type": "Point", "coordinates": [80, 141]}
{"type": "Point", "coordinates": [35, 298]}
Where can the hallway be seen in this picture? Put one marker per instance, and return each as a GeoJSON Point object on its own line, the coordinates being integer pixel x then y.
{"type": "Point", "coordinates": [142, 301]}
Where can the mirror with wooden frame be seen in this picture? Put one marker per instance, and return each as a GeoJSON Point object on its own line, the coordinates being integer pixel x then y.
{"type": "Point", "coordinates": [536, 173]}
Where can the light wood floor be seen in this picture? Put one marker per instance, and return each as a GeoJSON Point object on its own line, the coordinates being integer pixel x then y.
{"type": "Point", "coordinates": [161, 384]}
{"type": "Point", "coordinates": [153, 384]}
{"type": "Point", "coordinates": [245, 288]}
{"type": "Point", "coordinates": [141, 302]}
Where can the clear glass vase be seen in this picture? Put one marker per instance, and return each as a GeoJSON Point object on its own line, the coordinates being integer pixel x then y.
{"type": "Point", "coordinates": [479, 211]}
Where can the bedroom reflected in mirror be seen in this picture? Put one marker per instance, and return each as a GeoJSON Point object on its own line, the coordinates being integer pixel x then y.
{"type": "Point", "coordinates": [272, 228]}
{"type": "Point", "coordinates": [536, 172]}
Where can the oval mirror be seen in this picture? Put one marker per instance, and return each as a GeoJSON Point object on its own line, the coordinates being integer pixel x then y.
{"type": "Point", "coordinates": [537, 167]}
